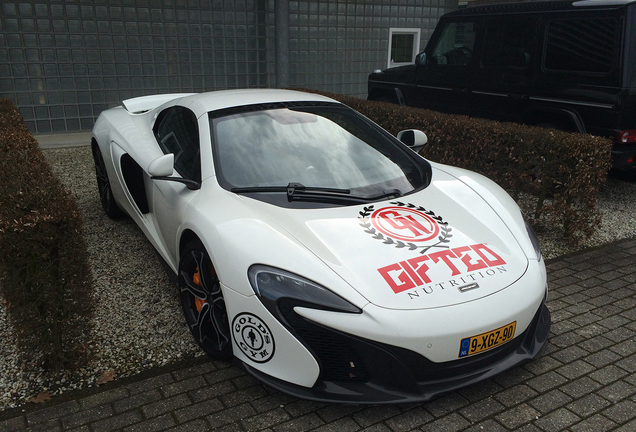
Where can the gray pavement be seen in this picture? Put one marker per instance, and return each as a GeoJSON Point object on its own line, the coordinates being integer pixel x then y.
{"type": "Point", "coordinates": [584, 379]}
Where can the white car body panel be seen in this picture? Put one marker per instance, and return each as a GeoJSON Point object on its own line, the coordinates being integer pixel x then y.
{"type": "Point", "coordinates": [336, 237]}
{"type": "Point", "coordinates": [245, 238]}
{"type": "Point", "coordinates": [443, 328]}
{"type": "Point", "coordinates": [291, 361]}
{"type": "Point", "coordinates": [144, 103]}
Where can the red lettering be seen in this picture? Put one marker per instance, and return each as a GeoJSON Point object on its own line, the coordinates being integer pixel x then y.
{"type": "Point", "coordinates": [467, 259]}
{"type": "Point", "coordinates": [407, 268]}
{"type": "Point", "coordinates": [411, 273]}
{"type": "Point", "coordinates": [485, 253]}
{"type": "Point", "coordinates": [422, 268]}
{"type": "Point", "coordinates": [446, 257]}
{"type": "Point", "coordinates": [400, 222]}
{"type": "Point", "coordinates": [405, 283]}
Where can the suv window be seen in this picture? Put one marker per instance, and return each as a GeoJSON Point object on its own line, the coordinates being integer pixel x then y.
{"type": "Point", "coordinates": [581, 45]}
{"type": "Point", "coordinates": [177, 132]}
{"type": "Point", "coordinates": [510, 43]}
{"type": "Point", "coordinates": [455, 45]}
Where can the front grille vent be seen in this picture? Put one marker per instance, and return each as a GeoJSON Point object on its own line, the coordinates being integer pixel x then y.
{"type": "Point", "coordinates": [338, 359]}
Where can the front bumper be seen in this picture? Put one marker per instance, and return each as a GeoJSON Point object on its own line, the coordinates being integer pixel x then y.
{"type": "Point", "coordinates": [357, 370]}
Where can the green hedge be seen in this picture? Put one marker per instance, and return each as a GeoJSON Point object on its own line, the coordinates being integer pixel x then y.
{"type": "Point", "coordinates": [554, 175]}
{"type": "Point", "coordinates": [44, 273]}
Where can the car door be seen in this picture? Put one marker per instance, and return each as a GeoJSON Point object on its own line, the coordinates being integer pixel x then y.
{"type": "Point", "coordinates": [443, 82]}
{"type": "Point", "coordinates": [509, 60]}
{"type": "Point", "coordinates": [176, 132]}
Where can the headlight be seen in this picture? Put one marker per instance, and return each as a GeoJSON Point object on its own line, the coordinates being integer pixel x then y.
{"type": "Point", "coordinates": [535, 241]}
{"type": "Point", "coordinates": [272, 285]}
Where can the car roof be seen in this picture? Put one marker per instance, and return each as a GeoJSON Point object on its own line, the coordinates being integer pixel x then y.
{"type": "Point", "coordinates": [203, 103]}
{"type": "Point", "coordinates": [540, 6]}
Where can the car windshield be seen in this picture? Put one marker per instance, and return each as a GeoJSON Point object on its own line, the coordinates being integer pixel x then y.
{"type": "Point", "coordinates": [315, 146]}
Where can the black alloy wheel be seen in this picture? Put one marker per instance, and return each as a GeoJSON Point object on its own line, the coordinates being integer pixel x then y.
{"type": "Point", "coordinates": [202, 302]}
{"type": "Point", "coordinates": [103, 185]}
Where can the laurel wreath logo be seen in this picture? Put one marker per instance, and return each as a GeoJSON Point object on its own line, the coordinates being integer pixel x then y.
{"type": "Point", "coordinates": [445, 230]}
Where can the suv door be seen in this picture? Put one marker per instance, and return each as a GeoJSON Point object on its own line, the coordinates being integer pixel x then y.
{"type": "Point", "coordinates": [443, 82]}
{"type": "Point", "coordinates": [509, 60]}
{"type": "Point", "coordinates": [581, 69]}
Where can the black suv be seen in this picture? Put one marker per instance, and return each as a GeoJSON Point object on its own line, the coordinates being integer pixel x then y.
{"type": "Point", "coordinates": [561, 64]}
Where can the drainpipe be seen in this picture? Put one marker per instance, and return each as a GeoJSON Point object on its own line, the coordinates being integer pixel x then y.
{"type": "Point", "coordinates": [281, 13]}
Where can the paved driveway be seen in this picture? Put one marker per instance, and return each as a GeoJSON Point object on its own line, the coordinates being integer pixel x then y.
{"type": "Point", "coordinates": [584, 380]}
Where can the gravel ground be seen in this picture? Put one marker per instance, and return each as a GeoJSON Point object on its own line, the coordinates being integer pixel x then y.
{"type": "Point", "coordinates": [139, 324]}
{"type": "Point", "coordinates": [138, 319]}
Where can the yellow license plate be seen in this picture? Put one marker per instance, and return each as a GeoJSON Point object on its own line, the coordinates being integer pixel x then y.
{"type": "Point", "coordinates": [485, 341]}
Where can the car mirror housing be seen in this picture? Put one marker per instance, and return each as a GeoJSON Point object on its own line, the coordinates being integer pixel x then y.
{"type": "Point", "coordinates": [162, 166]}
{"type": "Point", "coordinates": [415, 139]}
{"type": "Point", "coordinates": [420, 59]}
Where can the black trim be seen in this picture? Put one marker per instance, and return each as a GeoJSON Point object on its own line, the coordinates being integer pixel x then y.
{"type": "Point", "coordinates": [191, 184]}
{"type": "Point", "coordinates": [398, 375]}
{"type": "Point", "coordinates": [134, 179]}
{"type": "Point", "coordinates": [269, 106]}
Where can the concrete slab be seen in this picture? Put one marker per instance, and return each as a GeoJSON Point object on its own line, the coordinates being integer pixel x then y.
{"type": "Point", "coordinates": [61, 140]}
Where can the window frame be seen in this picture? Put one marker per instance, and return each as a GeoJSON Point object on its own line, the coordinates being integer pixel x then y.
{"type": "Point", "coordinates": [195, 173]}
{"type": "Point", "coordinates": [415, 32]}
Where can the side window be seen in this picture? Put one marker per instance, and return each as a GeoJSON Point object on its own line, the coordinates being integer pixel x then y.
{"type": "Point", "coordinates": [510, 43]}
{"type": "Point", "coordinates": [455, 46]}
{"type": "Point", "coordinates": [585, 45]}
{"type": "Point", "coordinates": [177, 132]}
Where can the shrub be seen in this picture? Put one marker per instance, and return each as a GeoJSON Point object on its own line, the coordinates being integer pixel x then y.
{"type": "Point", "coordinates": [44, 273]}
{"type": "Point", "coordinates": [560, 172]}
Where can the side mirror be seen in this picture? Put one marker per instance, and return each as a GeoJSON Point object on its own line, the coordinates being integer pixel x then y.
{"type": "Point", "coordinates": [162, 166]}
{"type": "Point", "coordinates": [420, 59]}
{"type": "Point", "coordinates": [415, 139]}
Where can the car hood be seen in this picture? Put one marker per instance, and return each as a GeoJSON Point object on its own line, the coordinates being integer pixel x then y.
{"type": "Point", "coordinates": [438, 247]}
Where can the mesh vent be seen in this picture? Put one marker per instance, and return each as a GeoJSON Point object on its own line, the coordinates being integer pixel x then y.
{"type": "Point", "coordinates": [339, 361]}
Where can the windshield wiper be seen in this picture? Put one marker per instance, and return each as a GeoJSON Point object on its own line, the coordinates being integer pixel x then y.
{"type": "Point", "coordinates": [299, 192]}
{"type": "Point", "coordinates": [389, 193]}
{"type": "Point", "coordinates": [291, 189]}
{"type": "Point", "coordinates": [294, 189]}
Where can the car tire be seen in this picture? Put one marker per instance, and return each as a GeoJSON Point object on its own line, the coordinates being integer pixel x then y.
{"type": "Point", "coordinates": [109, 205]}
{"type": "Point", "coordinates": [203, 303]}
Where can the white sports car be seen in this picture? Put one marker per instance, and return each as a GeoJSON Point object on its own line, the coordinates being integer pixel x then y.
{"type": "Point", "coordinates": [324, 254]}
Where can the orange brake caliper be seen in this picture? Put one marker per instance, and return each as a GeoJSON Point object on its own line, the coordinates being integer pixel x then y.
{"type": "Point", "coordinates": [198, 303]}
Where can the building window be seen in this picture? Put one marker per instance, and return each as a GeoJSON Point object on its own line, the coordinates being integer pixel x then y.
{"type": "Point", "coordinates": [405, 45]}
